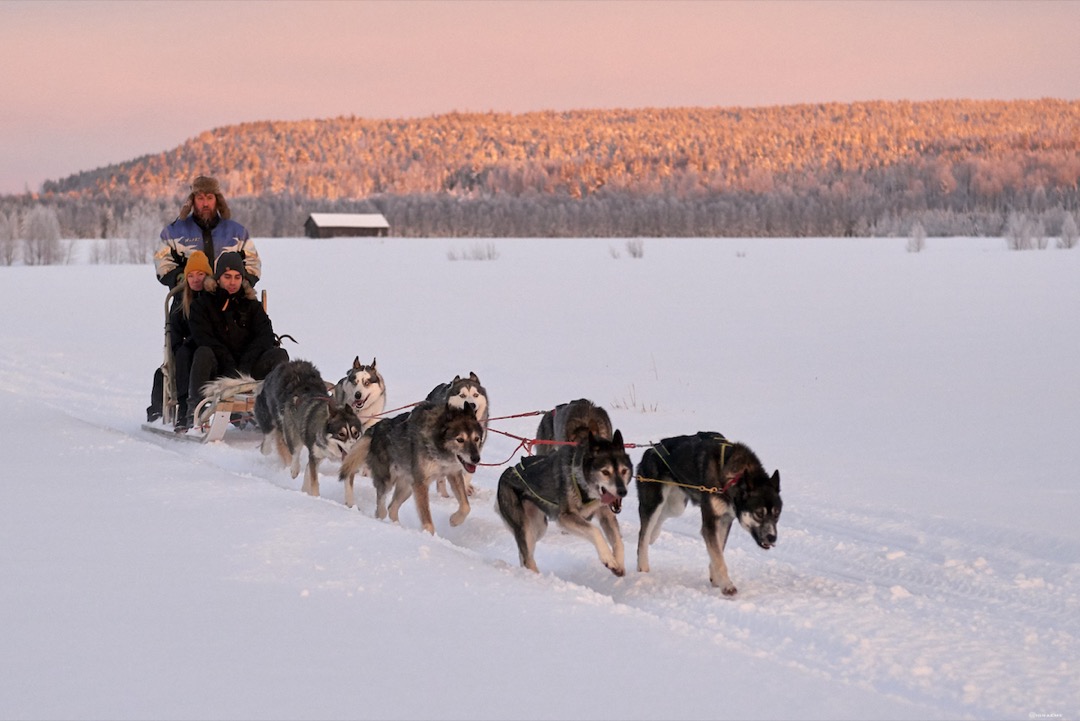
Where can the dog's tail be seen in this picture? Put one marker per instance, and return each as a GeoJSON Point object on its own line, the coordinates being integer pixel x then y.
{"type": "Point", "coordinates": [226, 388]}
{"type": "Point", "coordinates": [356, 459]}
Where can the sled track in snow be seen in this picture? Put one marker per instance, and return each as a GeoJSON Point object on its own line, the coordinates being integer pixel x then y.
{"type": "Point", "coordinates": [876, 598]}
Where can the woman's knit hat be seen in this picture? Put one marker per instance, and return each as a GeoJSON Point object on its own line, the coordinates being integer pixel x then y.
{"type": "Point", "coordinates": [206, 184]}
{"type": "Point", "coordinates": [198, 261]}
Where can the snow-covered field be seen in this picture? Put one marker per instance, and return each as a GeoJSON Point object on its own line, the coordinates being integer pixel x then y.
{"type": "Point", "coordinates": [923, 410]}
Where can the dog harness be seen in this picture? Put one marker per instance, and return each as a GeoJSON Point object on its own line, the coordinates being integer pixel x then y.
{"type": "Point", "coordinates": [521, 470]}
{"type": "Point", "coordinates": [665, 455]}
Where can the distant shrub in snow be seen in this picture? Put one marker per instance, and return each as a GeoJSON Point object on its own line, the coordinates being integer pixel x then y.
{"type": "Point", "coordinates": [635, 248]}
{"type": "Point", "coordinates": [477, 252]}
{"type": "Point", "coordinates": [917, 239]}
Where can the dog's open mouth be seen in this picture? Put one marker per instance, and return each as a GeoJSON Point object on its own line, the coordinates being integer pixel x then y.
{"type": "Point", "coordinates": [359, 404]}
{"type": "Point", "coordinates": [469, 467]}
{"type": "Point", "coordinates": [611, 501]}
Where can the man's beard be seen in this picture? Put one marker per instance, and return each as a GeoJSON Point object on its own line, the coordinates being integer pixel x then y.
{"type": "Point", "coordinates": [205, 214]}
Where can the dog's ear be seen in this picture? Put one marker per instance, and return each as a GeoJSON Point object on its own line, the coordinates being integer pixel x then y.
{"type": "Point", "coordinates": [356, 363]}
{"type": "Point", "coordinates": [616, 438]}
{"type": "Point", "coordinates": [775, 480]}
{"type": "Point", "coordinates": [473, 377]}
{"type": "Point", "coordinates": [373, 362]}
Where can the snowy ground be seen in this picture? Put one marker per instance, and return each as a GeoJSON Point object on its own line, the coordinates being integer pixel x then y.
{"type": "Point", "coordinates": [923, 410]}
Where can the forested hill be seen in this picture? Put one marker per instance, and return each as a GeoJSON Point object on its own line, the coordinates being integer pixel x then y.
{"type": "Point", "coordinates": [823, 169]}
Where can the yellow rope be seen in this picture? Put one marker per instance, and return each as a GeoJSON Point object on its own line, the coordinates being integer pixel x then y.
{"type": "Point", "coordinates": [706, 489]}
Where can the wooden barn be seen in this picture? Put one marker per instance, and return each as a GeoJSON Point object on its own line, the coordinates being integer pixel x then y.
{"type": "Point", "coordinates": [346, 225]}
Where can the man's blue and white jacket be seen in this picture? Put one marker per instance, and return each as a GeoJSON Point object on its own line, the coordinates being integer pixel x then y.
{"type": "Point", "coordinates": [185, 235]}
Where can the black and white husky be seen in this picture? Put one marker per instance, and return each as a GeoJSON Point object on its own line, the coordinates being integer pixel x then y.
{"type": "Point", "coordinates": [294, 411]}
{"type": "Point", "coordinates": [457, 393]}
{"type": "Point", "coordinates": [364, 389]}
{"type": "Point", "coordinates": [570, 486]}
{"type": "Point", "coordinates": [738, 488]}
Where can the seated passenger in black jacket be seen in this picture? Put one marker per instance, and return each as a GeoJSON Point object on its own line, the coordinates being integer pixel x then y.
{"type": "Point", "coordinates": [231, 332]}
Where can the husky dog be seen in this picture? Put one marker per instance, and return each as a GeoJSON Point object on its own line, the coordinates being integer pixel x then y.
{"type": "Point", "coordinates": [572, 423]}
{"type": "Point", "coordinates": [294, 411]}
{"type": "Point", "coordinates": [739, 488]}
{"type": "Point", "coordinates": [410, 450]}
{"type": "Point", "coordinates": [570, 485]}
{"type": "Point", "coordinates": [456, 393]}
{"type": "Point", "coordinates": [364, 389]}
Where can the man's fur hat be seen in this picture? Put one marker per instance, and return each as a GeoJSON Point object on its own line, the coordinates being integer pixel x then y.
{"type": "Point", "coordinates": [206, 184]}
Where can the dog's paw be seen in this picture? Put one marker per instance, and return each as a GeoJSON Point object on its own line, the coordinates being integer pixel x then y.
{"type": "Point", "coordinates": [458, 518]}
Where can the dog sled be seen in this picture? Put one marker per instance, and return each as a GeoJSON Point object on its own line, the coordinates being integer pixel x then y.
{"type": "Point", "coordinates": [213, 416]}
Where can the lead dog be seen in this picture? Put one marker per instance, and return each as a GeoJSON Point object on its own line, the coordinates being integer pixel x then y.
{"type": "Point", "coordinates": [364, 389]}
{"type": "Point", "coordinates": [738, 487]}
{"type": "Point", "coordinates": [294, 411]}
{"type": "Point", "coordinates": [407, 452]}
{"type": "Point", "coordinates": [570, 486]}
{"type": "Point", "coordinates": [572, 423]}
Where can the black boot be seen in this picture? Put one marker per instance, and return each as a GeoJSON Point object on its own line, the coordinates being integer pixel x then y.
{"type": "Point", "coordinates": [153, 411]}
{"type": "Point", "coordinates": [184, 420]}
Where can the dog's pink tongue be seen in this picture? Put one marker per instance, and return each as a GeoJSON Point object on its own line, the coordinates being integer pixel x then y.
{"type": "Point", "coordinates": [470, 467]}
{"type": "Point", "coordinates": [612, 501]}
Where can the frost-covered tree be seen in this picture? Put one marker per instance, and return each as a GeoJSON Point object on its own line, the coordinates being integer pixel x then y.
{"type": "Point", "coordinates": [1069, 233]}
{"type": "Point", "coordinates": [41, 237]}
{"type": "Point", "coordinates": [9, 246]}
{"type": "Point", "coordinates": [140, 232]}
{"type": "Point", "coordinates": [1018, 232]}
{"type": "Point", "coordinates": [1038, 233]}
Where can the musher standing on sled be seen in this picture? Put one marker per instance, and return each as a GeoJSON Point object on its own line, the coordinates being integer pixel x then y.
{"type": "Point", "coordinates": [204, 224]}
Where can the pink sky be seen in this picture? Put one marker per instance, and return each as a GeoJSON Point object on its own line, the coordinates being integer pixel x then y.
{"type": "Point", "coordinates": [86, 84]}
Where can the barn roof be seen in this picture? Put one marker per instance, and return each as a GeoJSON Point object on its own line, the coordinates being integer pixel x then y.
{"type": "Point", "coordinates": [349, 220]}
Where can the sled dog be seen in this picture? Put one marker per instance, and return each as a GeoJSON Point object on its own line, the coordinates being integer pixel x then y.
{"type": "Point", "coordinates": [407, 452]}
{"type": "Point", "coordinates": [572, 422]}
{"type": "Point", "coordinates": [739, 489]}
{"type": "Point", "coordinates": [364, 389]}
{"type": "Point", "coordinates": [456, 393]}
{"type": "Point", "coordinates": [570, 486]}
{"type": "Point", "coordinates": [294, 411]}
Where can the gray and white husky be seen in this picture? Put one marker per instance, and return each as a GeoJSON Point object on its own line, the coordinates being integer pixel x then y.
{"type": "Point", "coordinates": [738, 487]}
{"type": "Point", "coordinates": [294, 411]}
{"type": "Point", "coordinates": [409, 451]}
{"type": "Point", "coordinates": [572, 423]}
{"type": "Point", "coordinates": [570, 486]}
{"type": "Point", "coordinates": [457, 393]}
{"type": "Point", "coordinates": [364, 389]}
